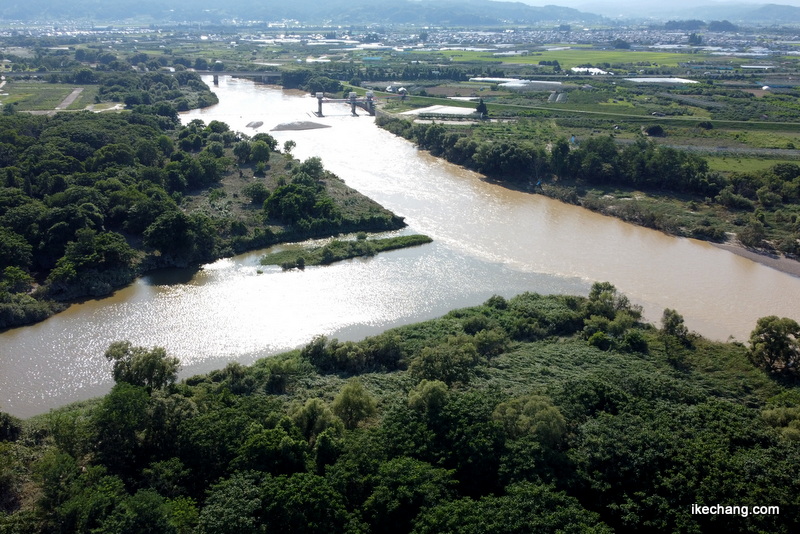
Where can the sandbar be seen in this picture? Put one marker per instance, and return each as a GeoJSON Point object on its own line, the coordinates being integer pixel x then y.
{"type": "Point", "coordinates": [299, 125]}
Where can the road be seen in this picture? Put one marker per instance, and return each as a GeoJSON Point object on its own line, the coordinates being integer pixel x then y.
{"type": "Point", "coordinates": [70, 99]}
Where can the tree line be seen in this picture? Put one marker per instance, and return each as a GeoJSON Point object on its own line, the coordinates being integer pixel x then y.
{"type": "Point", "coordinates": [595, 160]}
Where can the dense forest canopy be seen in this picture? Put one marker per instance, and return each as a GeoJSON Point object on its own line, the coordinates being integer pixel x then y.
{"type": "Point", "coordinates": [532, 414]}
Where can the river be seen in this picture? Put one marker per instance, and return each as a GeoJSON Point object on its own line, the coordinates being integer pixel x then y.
{"type": "Point", "coordinates": [488, 240]}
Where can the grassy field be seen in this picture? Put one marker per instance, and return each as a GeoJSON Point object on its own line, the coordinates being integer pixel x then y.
{"type": "Point", "coordinates": [744, 164]}
{"type": "Point", "coordinates": [573, 57]}
{"type": "Point", "coordinates": [31, 95]}
{"type": "Point", "coordinates": [40, 96]}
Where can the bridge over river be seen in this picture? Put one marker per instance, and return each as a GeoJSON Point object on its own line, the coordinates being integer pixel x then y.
{"type": "Point", "coordinates": [257, 75]}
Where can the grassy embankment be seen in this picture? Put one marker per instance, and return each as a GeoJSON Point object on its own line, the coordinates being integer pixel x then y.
{"type": "Point", "coordinates": [338, 250]}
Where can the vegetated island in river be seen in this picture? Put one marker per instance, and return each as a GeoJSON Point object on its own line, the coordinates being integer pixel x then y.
{"type": "Point", "coordinates": [299, 125]}
{"type": "Point", "coordinates": [529, 414]}
{"type": "Point", "coordinates": [339, 250]}
{"type": "Point", "coordinates": [89, 202]}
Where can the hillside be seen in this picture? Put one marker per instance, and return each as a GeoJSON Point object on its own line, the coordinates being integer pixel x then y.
{"type": "Point", "coordinates": [740, 11]}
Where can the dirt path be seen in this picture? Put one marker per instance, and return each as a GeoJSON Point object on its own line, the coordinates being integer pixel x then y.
{"type": "Point", "coordinates": [70, 99]}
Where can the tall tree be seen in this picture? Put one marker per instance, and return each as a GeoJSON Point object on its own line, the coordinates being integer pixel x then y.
{"type": "Point", "coordinates": [353, 404]}
{"type": "Point", "coordinates": [142, 367]}
{"type": "Point", "coordinates": [775, 345]}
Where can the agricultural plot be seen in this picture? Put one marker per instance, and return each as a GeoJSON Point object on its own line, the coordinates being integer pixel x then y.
{"type": "Point", "coordinates": [33, 95]}
{"type": "Point", "coordinates": [29, 95]}
{"type": "Point", "coordinates": [574, 57]}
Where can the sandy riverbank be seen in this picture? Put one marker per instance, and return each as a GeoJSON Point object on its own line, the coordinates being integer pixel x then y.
{"type": "Point", "coordinates": [781, 263]}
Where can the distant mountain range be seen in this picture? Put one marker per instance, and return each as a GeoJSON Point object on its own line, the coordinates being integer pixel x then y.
{"type": "Point", "coordinates": [416, 12]}
{"type": "Point", "coordinates": [770, 13]}
{"type": "Point", "coordinates": [707, 10]}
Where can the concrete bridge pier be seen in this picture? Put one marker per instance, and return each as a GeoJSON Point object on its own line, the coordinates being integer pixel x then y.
{"type": "Point", "coordinates": [353, 97]}
{"type": "Point", "coordinates": [319, 96]}
{"type": "Point", "coordinates": [371, 103]}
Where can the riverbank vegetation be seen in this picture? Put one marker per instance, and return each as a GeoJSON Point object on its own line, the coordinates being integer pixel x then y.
{"type": "Point", "coordinates": [534, 413]}
{"type": "Point", "coordinates": [338, 250]}
{"type": "Point", "coordinates": [89, 201]}
{"type": "Point", "coordinates": [641, 182]}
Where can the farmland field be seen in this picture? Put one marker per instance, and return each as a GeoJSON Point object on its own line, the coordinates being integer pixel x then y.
{"type": "Point", "coordinates": [573, 57]}
{"type": "Point", "coordinates": [40, 96]}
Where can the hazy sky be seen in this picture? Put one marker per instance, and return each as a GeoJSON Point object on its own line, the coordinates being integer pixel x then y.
{"type": "Point", "coordinates": [585, 5]}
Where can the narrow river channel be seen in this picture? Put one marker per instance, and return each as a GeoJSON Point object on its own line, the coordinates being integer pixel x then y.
{"type": "Point", "coordinates": [487, 240]}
